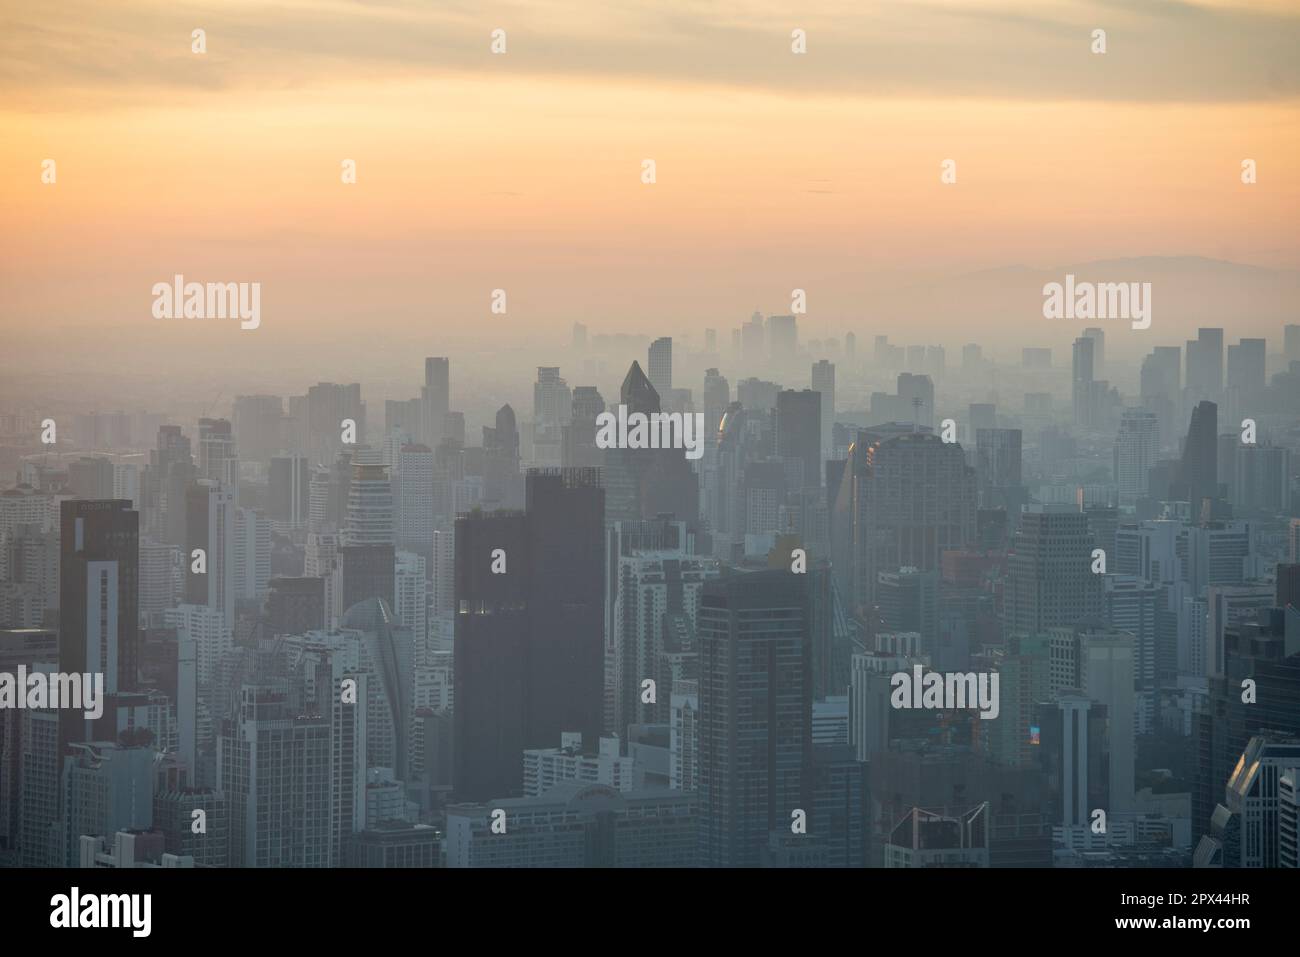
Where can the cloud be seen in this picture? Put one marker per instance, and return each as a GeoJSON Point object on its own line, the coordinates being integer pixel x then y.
{"type": "Point", "coordinates": [138, 51]}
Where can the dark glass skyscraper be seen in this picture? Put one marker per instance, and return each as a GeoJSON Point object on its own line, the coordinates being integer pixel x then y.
{"type": "Point", "coordinates": [98, 597]}
{"type": "Point", "coordinates": [529, 632]}
{"type": "Point", "coordinates": [755, 721]}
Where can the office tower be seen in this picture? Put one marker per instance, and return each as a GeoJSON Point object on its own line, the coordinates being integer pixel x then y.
{"type": "Point", "coordinates": [289, 501]}
{"type": "Point", "coordinates": [256, 424]}
{"type": "Point", "coordinates": [753, 341]}
{"type": "Point", "coordinates": [717, 396]}
{"type": "Point", "coordinates": [1098, 337]}
{"type": "Point", "coordinates": [579, 336]}
{"type": "Point", "coordinates": [1229, 607]}
{"type": "Point", "coordinates": [756, 394]}
{"type": "Point", "coordinates": [798, 436]}
{"type": "Point", "coordinates": [652, 575]}
{"type": "Point", "coordinates": [1257, 650]}
{"type": "Point", "coordinates": [1197, 478]}
{"type": "Point", "coordinates": [643, 483]}
{"type": "Point", "coordinates": [998, 468]}
{"type": "Point", "coordinates": [370, 501]}
{"type": "Point", "coordinates": [275, 769]}
{"type": "Point", "coordinates": [36, 649]}
{"type": "Point", "coordinates": [917, 393]}
{"type": "Point", "coordinates": [1106, 673]}
{"type": "Point", "coordinates": [413, 490]}
{"type": "Point", "coordinates": [1262, 479]}
{"type": "Point", "coordinates": [1288, 585]}
{"type": "Point", "coordinates": [1024, 670]}
{"type": "Point", "coordinates": [823, 381]}
{"type": "Point", "coordinates": [782, 338]}
{"type": "Point", "coordinates": [435, 400]}
{"type": "Point", "coordinates": [1291, 342]}
{"type": "Point", "coordinates": [410, 600]}
{"type": "Point", "coordinates": [1205, 365]}
{"type": "Point", "coordinates": [403, 417]}
{"type": "Point", "coordinates": [529, 651]}
{"type": "Point", "coordinates": [660, 365]}
{"type": "Point", "coordinates": [1161, 389]}
{"type": "Point", "coordinates": [901, 522]}
{"type": "Point", "coordinates": [173, 447]}
{"type": "Point", "coordinates": [107, 788]}
{"type": "Point", "coordinates": [252, 558]}
{"type": "Point", "coordinates": [1136, 448]}
{"type": "Point", "coordinates": [579, 436]}
{"type": "Point", "coordinates": [502, 483]}
{"type": "Point", "coordinates": [1082, 379]}
{"type": "Point", "coordinates": [552, 408]}
{"type": "Point", "coordinates": [295, 605]}
{"type": "Point", "coordinates": [98, 597]}
{"type": "Point", "coordinates": [218, 459]}
{"type": "Point", "coordinates": [209, 633]}
{"type": "Point", "coordinates": [1246, 380]}
{"type": "Point", "coordinates": [907, 602]}
{"type": "Point", "coordinates": [210, 523]}
{"type": "Point", "coordinates": [173, 814]}
{"type": "Point", "coordinates": [1247, 827]}
{"type": "Point", "coordinates": [1075, 758]}
{"type": "Point", "coordinates": [850, 345]}
{"type": "Point", "coordinates": [1050, 580]}
{"type": "Point", "coordinates": [328, 405]}
{"type": "Point", "coordinates": [91, 477]}
{"type": "Point", "coordinates": [684, 736]}
{"type": "Point", "coordinates": [755, 674]}
{"type": "Point", "coordinates": [929, 839]}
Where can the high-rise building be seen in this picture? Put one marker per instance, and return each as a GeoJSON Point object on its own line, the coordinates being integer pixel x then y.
{"type": "Point", "coordinates": [289, 504]}
{"type": "Point", "coordinates": [1082, 378]}
{"type": "Point", "coordinates": [1205, 365]}
{"type": "Point", "coordinates": [435, 400]}
{"type": "Point", "coordinates": [1050, 581]}
{"type": "Point", "coordinates": [275, 769]}
{"type": "Point", "coordinates": [370, 501]}
{"type": "Point", "coordinates": [1136, 449]}
{"type": "Point", "coordinates": [755, 720]}
{"type": "Point", "coordinates": [98, 598]}
{"type": "Point", "coordinates": [579, 436]}
{"type": "Point", "coordinates": [798, 436]}
{"type": "Point", "coordinates": [782, 338]}
{"type": "Point", "coordinates": [413, 488]}
{"type": "Point", "coordinates": [823, 381]}
{"type": "Point", "coordinates": [257, 426]}
{"type": "Point", "coordinates": [529, 628]}
{"type": "Point", "coordinates": [1197, 482]}
{"type": "Point", "coordinates": [210, 527]}
{"type": "Point", "coordinates": [660, 365]}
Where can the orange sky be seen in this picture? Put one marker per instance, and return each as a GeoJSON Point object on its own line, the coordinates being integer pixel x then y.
{"type": "Point", "coordinates": [522, 171]}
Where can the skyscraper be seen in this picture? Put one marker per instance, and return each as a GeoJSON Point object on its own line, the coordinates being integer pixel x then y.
{"type": "Point", "coordinates": [1197, 479]}
{"type": "Point", "coordinates": [1136, 448]}
{"type": "Point", "coordinates": [1051, 581]}
{"type": "Point", "coordinates": [98, 596]}
{"type": "Point", "coordinates": [823, 381]}
{"type": "Point", "coordinates": [755, 719]}
{"type": "Point", "coordinates": [660, 365]}
{"type": "Point", "coordinates": [798, 436]}
{"type": "Point", "coordinates": [529, 629]}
